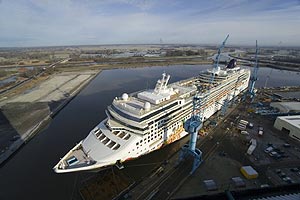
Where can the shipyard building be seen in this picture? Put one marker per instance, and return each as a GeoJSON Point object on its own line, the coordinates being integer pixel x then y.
{"type": "Point", "coordinates": [289, 125]}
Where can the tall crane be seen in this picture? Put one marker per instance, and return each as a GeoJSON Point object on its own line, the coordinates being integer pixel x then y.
{"type": "Point", "coordinates": [195, 123]}
{"type": "Point", "coordinates": [250, 93]}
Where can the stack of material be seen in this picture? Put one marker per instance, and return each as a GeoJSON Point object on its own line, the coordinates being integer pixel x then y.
{"type": "Point", "coordinates": [238, 182]}
{"type": "Point", "coordinates": [210, 185]}
{"type": "Point", "coordinates": [249, 172]}
{"type": "Point", "coordinates": [242, 125]}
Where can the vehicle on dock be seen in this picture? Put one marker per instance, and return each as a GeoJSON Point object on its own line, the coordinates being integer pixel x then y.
{"type": "Point", "coordinates": [244, 133]}
{"type": "Point", "coordinates": [260, 131]}
{"type": "Point", "coordinates": [269, 149]}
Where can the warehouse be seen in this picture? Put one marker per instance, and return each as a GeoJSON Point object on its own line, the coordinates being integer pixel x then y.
{"type": "Point", "coordinates": [289, 125]}
{"type": "Point", "coordinates": [286, 107]}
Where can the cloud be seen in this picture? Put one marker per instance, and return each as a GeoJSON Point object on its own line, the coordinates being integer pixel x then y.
{"type": "Point", "coordinates": [67, 22]}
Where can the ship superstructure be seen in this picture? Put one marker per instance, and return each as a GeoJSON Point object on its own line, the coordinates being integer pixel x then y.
{"type": "Point", "coordinates": [142, 122]}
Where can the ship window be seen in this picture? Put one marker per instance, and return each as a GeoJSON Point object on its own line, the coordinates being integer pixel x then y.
{"type": "Point", "coordinates": [122, 134]}
{"type": "Point", "coordinates": [124, 114]}
{"type": "Point", "coordinates": [137, 143]}
{"type": "Point", "coordinates": [115, 132]}
{"type": "Point", "coordinates": [98, 134]}
{"type": "Point", "coordinates": [111, 144]}
{"type": "Point", "coordinates": [117, 146]}
{"type": "Point", "coordinates": [106, 141]}
{"type": "Point", "coordinates": [127, 137]}
{"type": "Point", "coordinates": [102, 137]}
{"type": "Point", "coordinates": [141, 141]}
{"type": "Point", "coordinates": [148, 141]}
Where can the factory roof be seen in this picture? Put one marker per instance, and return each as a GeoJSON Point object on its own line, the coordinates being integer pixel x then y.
{"type": "Point", "coordinates": [293, 120]}
{"type": "Point", "coordinates": [286, 107]}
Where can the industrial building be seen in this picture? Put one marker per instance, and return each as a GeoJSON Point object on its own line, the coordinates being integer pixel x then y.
{"type": "Point", "coordinates": [286, 107]}
{"type": "Point", "coordinates": [289, 125]}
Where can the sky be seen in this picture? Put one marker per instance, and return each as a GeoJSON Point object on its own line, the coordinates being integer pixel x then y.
{"type": "Point", "coordinates": [93, 22]}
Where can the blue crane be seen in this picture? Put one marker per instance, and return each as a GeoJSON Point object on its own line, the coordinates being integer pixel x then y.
{"type": "Point", "coordinates": [253, 77]}
{"type": "Point", "coordinates": [195, 123]}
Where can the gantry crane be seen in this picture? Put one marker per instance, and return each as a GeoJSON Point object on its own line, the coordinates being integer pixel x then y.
{"type": "Point", "coordinates": [250, 92]}
{"type": "Point", "coordinates": [195, 123]}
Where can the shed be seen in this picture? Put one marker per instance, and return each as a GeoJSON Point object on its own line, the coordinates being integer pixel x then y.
{"type": "Point", "coordinates": [249, 172]}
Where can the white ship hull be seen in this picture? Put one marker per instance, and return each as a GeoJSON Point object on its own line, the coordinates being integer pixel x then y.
{"type": "Point", "coordinates": [132, 129]}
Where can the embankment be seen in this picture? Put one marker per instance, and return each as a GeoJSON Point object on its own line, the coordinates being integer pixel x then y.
{"type": "Point", "coordinates": [31, 111]}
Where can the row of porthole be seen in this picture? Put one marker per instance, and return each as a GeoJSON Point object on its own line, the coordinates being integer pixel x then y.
{"type": "Point", "coordinates": [150, 139]}
{"type": "Point", "coordinates": [145, 148]}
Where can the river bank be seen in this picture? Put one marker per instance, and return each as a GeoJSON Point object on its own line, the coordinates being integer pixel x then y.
{"type": "Point", "coordinates": [35, 160]}
{"type": "Point", "coordinates": [24, 115]}
{"type": "Point", "coordinates": [25, 110]}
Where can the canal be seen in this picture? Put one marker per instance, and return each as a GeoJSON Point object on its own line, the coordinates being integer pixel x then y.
{"type": "Point", "coordinates": [29, 175]}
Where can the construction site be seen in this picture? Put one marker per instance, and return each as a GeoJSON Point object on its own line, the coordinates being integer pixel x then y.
{"type": "Point", "coordinates": [238, 153]}
{"type": "Point", "coordinates": [249, 148]}
{"type": "Point", "coordinates": [271, 158]}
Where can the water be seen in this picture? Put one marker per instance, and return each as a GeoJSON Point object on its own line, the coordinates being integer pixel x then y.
{"type": "Point", "coordinates": [29, 174]}
{"type": "Point", "coordinates": [8, 80]}
{"type": "Point", "coordinates": [277, 77]}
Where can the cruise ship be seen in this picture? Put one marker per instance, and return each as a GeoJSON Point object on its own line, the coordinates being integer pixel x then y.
{"type": "Point", "coordinates": [145, 121]}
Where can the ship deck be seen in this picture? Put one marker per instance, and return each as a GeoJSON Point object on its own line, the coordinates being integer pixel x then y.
{"type": "Point", "coordinates": [135, 105]}
{"type": "Point", "coordinates": [75, 158]}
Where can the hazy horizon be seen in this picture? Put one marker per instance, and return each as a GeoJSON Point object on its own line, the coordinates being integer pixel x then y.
{"type": "Point", "coordinates": [33, 23]}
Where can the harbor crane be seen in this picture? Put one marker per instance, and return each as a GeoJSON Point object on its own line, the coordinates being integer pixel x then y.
{"type": "Point", "coordinates": [250, 92]}
{"type": "Point", "coordinates": [195, 122]}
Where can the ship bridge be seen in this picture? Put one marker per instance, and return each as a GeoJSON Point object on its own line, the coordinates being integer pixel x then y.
{"type": "Point", "coordinates": [144, 104]}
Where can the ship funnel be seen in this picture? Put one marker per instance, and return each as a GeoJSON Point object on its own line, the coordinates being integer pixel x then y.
{"type": "Point", "coordinates": [231, 64]}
